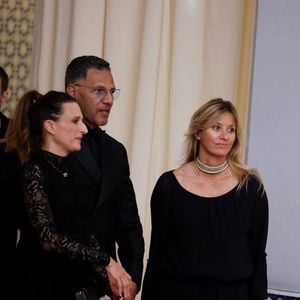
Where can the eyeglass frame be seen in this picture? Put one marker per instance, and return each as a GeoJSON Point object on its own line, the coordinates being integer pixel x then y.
{"type": "Point", "coordinates": [106, 91]}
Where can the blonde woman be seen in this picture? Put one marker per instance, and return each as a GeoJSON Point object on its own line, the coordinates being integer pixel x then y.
{"type": "Point", "coordinates": [209, 218]}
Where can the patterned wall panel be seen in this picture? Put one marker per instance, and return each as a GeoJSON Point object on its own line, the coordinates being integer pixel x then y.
{"type": "Point", "coordinates": [16, 36]}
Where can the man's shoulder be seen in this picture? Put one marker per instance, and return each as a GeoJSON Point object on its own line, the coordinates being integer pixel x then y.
{"type": "Point", "coordinates": [108, 139]}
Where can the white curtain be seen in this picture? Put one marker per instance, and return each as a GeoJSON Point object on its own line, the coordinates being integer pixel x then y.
{"type": "Point", "coordinates": [167, 56]}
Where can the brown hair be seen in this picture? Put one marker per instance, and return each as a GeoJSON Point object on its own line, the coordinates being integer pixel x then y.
{"type": "Point", "coordinates": [25, 130]}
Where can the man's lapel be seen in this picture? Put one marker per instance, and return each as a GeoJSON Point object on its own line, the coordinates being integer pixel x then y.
{"type": "Point", "coordinates": [103, 176]}
{"type": "Point", "coordinates": [107, 169]}
{"type": "Point", "coordinates": [88, 162]}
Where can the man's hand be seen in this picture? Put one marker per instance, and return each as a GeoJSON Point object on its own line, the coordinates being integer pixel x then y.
{"type": "Point", "coordinates": [132, 291]}
{"type": "Point", "coordinates": [119, 280]}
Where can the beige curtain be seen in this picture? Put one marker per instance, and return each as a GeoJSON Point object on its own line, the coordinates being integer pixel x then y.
{"type": "Point", "coordinates": [245, 70]}
{"type": "Point", "coordinates": [167, 56]}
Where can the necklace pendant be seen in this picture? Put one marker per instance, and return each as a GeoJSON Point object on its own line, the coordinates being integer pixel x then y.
{"type": "Point", "coordinates": [65, 174]}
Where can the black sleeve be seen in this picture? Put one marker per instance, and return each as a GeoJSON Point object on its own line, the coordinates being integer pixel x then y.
{"type": "Point", "coordinates": [159, 221]}
{"type": "Point", "coordinates": [258, 240]}
{"type": "Point", "coordinates": [41, 217]}
{"type": "Point", "coordinates": [129, 228]}
{"type": "Point", "coordinates": [11, 199]}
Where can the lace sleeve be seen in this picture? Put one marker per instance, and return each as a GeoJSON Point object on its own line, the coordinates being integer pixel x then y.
{"type": "Point", "coordinates": [41, 218]}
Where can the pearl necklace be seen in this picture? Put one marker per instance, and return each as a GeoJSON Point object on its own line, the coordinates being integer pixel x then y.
{"type": "Point", "coordinates": [211, 169]}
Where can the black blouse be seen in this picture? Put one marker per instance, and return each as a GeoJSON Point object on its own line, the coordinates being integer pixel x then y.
{"type": "Point", "coordinates": [219, 238]}
{"type": "Point", "coordinates": [57, 227]}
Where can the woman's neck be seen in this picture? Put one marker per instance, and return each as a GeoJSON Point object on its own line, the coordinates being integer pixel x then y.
{"type": "Point", "coordinates": [54, 150]}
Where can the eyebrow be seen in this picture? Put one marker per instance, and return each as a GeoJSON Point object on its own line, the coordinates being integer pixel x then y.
{"type": "Point", "coordinates": [218, 123]}
{"type": "Point", "coordinates": [92, 87]}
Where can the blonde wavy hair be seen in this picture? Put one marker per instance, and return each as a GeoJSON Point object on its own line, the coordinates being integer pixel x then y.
{"type": "Point", "coordinates": [204, 114]}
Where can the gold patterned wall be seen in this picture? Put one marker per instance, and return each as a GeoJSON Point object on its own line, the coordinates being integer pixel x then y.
{"type": "Point", "coordinates": [16, 37]}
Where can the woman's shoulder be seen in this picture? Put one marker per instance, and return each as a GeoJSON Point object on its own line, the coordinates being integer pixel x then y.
{"type": "Point", "coordinates": [254, 186]}
{"type": "Point", "coordinates": [33, 166]}
{"type": "Point", "coordinates": [187, 169]}
{"type": "Point", "coordinates": [170, 177]}
{"type": "Point", "coordinates": [166, 177]}
{"type": "Point", "coordinates": [254, 181]}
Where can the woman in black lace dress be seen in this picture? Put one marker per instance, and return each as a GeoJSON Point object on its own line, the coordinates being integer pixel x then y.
{"type": "Point", "coordinates": [209, 218]}
{"type": "Point", "coordinates": [57, 252]}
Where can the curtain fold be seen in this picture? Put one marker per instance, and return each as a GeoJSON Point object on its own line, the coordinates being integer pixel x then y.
{"type": "Point", "coordinates": [63, 30]}
{"type": "Point", "coordinates": [246, 64]}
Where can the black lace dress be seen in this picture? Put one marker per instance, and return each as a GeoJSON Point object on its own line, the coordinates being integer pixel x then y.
{"type": "Point", "coordinates": [57, 253]}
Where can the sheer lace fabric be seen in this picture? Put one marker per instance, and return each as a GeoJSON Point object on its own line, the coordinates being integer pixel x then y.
{"type": "Point", "coordinates": [40, 213]}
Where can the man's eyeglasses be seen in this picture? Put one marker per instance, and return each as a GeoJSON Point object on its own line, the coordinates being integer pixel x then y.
{"type": "Point", "coordinates": [101, 92]}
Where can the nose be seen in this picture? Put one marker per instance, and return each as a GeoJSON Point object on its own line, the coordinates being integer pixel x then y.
{"type": "Point", "coordinates": [109, 99]}
{"type": "Point", "coordinates": [224, 135]}
{"type": "Point", "coordinates": [83, 128]}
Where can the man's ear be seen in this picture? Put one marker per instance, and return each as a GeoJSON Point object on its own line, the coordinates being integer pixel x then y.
{"type": "Point", "coordinates": [71, 90]}
{"type": "Point", "coordinates": [49, 126]}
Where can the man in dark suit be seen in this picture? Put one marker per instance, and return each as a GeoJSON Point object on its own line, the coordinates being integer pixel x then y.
{"type": "Point", "coordinates": [102, 166]}
{"type": "Point", "coordinates": [3, 99]}
{"type": "Point", "coordinates": [9, 194]}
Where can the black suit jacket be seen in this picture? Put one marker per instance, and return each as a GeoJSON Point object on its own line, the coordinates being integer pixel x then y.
{"type": "Point", "coordinates": [3, 125]}
{"type": "Point", "coordinates": [116, 219]}
{"type": "Point", "coordinates": [10, 194]}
